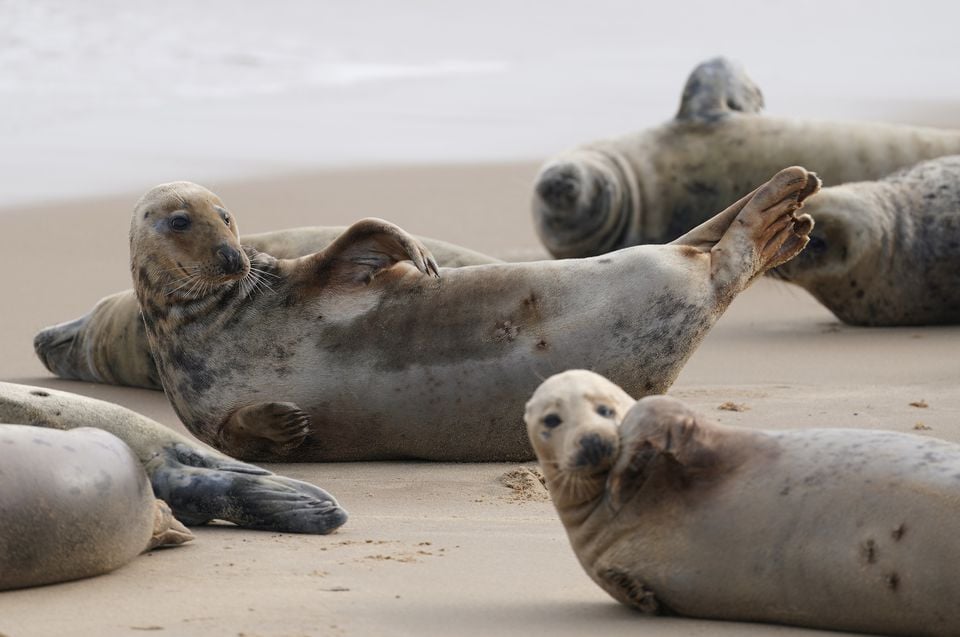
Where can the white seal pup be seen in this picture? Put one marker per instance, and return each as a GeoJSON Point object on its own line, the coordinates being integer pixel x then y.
{"type": "Point", "coordinates": [670, 513]}
{"type": "Point", "coordinates": [654, 185]}
{"type": "Point", "coordinates": [362, 352]}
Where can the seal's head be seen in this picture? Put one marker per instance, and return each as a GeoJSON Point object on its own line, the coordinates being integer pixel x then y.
{"type": "Point", "coordinates": [572, 420]}
{"type": "Point", "coordinates": [585, 204]}
{"type": "Point", "coordinates": [183, 238]}
{"type": "Point", "coordinates": [841, 254]}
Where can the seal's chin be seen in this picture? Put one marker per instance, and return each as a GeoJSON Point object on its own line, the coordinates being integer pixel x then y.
{"type": "Point", "coordinates": [582, 207]}
{"type": "Point", "coordinates": [60, 350]}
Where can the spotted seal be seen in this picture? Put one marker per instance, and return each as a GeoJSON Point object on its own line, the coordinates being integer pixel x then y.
{"type": "Point", "coordinates": [366, 350]}
{"type": "Point", "coordinates": [74, 504]}
{"type": "Point", "coordinates": [654, 185]}
{"type": "Point", "coordinates": [199, 483]}
{"type": "Point", "coordinates": [109, 345]}
{"type": "Point", "coordinates": [886, 252]}
{"type": "Point", "coordinates": [672, 513]}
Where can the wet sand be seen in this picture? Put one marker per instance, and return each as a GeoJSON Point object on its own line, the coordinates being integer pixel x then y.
{"type": "Point", "coordinates": [430, 549]}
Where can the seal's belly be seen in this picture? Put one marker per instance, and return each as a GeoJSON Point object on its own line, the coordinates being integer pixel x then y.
{"type": "Point", "coordinates": [846, 530]}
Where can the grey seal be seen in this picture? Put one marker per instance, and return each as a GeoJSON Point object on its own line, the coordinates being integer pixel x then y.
{"type": "Point", "coordinates": [654, 185]}
{"type": "Point", "coordinates": [74, 504]}
{"type": "Point", "coordinates": [670, 513]}
{"type": "Point", "coordinates": [887, 252]}
{"type": "Point", "coordinates": [366, 350]}
{"type": "Point", "coordinates": [109, 345]}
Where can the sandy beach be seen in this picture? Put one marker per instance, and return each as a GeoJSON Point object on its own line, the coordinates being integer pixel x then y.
{"type": "Point", "coordinates": [431, 549]}
{"type": "Point", "coordinates": [437, 121]}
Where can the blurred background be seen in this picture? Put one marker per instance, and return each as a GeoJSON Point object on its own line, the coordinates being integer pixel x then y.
{"type": "Point", "coordinates": [117, 95]}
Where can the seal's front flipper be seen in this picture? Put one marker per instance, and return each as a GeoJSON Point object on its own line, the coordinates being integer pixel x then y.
{"type": "Point", "coordinates": [202, 486]}
{"type": "Point", "coordinates": [366, 248]}
{"type": "Point", "coordinates": [263, 430]}
{"type": "Point", "coordinates": [662, 448]}
{"type": "Point", "coordinates": [717, 88]}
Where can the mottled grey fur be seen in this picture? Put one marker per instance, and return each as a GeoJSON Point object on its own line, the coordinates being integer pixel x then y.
{"type": "Point", "coordinates": [887, 252]}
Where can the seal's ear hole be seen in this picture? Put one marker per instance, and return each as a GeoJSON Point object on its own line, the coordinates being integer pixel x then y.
{"type": "Point", "coordinates": [179, 222]}
{"type": "Point", "coordinates": [605, 411]}
{"type": "Point", "coordinates": [552, 421]}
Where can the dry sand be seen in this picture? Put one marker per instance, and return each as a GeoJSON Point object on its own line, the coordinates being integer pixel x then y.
{"type": "Point", "coordinates": [430, 549]}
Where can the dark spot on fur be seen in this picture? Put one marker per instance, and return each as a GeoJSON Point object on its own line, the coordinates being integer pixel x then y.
{"type": "Point", "coordinates": [42, 442]}
{"type": "Point", "coordinates": [605, 261]}
{"type": "Point", "coordinates": [898, 532]}
{"type": "Point", "coordinates": [541, 344]}
{"type": "Point", "coordinates": [194, 367]}
{"type": "Point", "coordinates": [868, 550]}
{"type": "Point", "coordinates": [893, 581]}
{"type": "Point", "coordinates": [40, 393]}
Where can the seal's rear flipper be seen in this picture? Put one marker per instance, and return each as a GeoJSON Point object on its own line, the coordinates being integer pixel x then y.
{"type": "Point", "coordinates": [220, 488]}
{"type": "Point", "coordinates": [167, 530]}
{"type": "Point", "coordinates": [717, 88]}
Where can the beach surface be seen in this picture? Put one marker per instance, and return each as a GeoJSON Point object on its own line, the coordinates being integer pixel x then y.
{"type": "Point", "coordinates": [435, 119]}
{"type": "Point", "coordinates": [431, 549]}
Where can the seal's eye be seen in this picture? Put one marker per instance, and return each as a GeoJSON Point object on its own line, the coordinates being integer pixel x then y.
{"type": "Point", "coordinates": [225, 216]}
{"type": "Point", "coordinates": [605, 411]}
{"type": "Point", "coordinates": [816, 246]}
{"type": "Point", "coordinates": [552, 421]}
{"type": "Point", "coordinates": [179, 223]}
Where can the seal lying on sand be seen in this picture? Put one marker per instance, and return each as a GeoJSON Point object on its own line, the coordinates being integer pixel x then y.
{"type": "Point", "coordinates": [108, 344]}
{"type": "Point", "coordinates": [198, 483]}
{"type": "Point", "coordinates": [886, 252]}
{"type": "Point", "coordinates": [829, 528]}
{"type": "Point", "coordinates": [74, 504]}
{"type": "Point", "coordinates": [362, 351]}
{"type": "Point", "coordinates": [652, 186]}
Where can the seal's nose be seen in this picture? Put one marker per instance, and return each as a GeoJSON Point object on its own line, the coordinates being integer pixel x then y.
{"type": "Point", "coordinates": [559, 187]}
{"type": "Point", "coordinates": [230, 259]}
{"type": "Point", "coordinates": [593, 450]}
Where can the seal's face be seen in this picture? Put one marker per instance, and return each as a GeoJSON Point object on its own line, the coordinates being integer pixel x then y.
{"type": "Point", "coordinates": [184, 235]}
{"type": "Point", "coordinates": [841, 237]}
{"type": "Point", "coordinates": [583, 205]}
{"type": "Point", "coordinates": [572, 420]}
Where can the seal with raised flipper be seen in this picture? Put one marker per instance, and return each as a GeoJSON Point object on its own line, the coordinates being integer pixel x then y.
{"type": "Point", "coordinates": [670, 513]}
{"type": "Point", "coordinates": [109, 345]}
{"type": "Point", "coordinates": [654, 185]}
{"type": "Point", "coordinates": [199, 483]}
{"type": "Point", "coordinates": [366, 350]}
{"type": "Point", "coordinates": [886, 252]}
{"type": "Point", "coordinates": [74, 504]}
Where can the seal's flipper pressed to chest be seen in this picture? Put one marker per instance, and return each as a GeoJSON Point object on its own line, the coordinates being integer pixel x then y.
{"type": "Point", "coordinates": [717, 88]}
{"type": "Point", "coordinates": [662, 445]}
{"type": "Point", "coordinates": [264, 429]}
{"type": "Point", "coordinates": [366, 248]}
